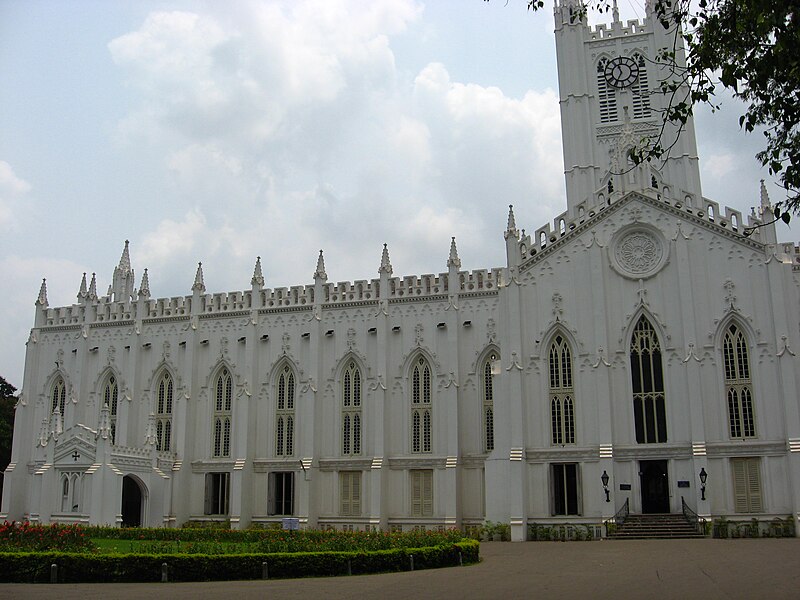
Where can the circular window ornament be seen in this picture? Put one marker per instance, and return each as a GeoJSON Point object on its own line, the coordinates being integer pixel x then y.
{"type": "Point", "coordinates": [639, 251]}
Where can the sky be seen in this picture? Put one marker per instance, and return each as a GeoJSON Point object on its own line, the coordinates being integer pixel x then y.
{"type": "Point", "coordinates": [221, 131]}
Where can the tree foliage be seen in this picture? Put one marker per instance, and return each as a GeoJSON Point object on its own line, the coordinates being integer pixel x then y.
{"type": "Point", "coordinates": [750, 47]}
{"type": "Point", "coordinates": [7, 403]}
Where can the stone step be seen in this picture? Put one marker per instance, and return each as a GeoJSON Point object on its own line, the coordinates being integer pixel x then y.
{"type": "Point", "coordinates": [655, 526]}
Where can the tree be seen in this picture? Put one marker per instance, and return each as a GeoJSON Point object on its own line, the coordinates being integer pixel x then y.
{"type": "Point", "coordinates": [749, 47]}
{"type": "Point", "coordinates": [7, 403]}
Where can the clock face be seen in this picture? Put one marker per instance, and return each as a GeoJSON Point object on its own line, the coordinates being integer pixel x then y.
{"type": "Point", "coordinates": [621, 72]}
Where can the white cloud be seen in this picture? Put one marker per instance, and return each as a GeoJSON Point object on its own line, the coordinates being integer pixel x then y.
{"type": "Point", "coordinates": [290, 129]}
{"type": "Point", "coordinates": [63, 280]}
{"type": "Point", "coordinates": [173, 240]}
{"type": "Point", "coordinates": [12, 188]}
{"type": "Point", "coordinates": [719, 165]}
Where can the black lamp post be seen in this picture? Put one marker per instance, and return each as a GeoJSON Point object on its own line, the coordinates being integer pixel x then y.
{"type": "Point", "coordinates": [604, 479]}
{"type": "Point", "coordinates": [703, 477]}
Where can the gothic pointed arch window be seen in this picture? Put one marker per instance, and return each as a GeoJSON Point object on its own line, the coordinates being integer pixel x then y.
{"type": "Point", "coordinates": [284, 412]}
{"type": "Point", "coordinates": [487, 390]}
{"type": "Point", "coordinates": [647, 377]}
{"type": "Point", "coordinates": [421, 406]}
{"type": "Point", "coordinates": [351, 409]}
{"type": "Point", "coordinates": [111, 400]}
{"type": "Point", "coordinates": [65, 493]}
{"type": "Point", "coordinates": [641, 89]}
{"type": "Point", "coordinates": [164, 397]}
{"type": "Point", "coordinates": [223, 401]}
{"type": "Point", "coordinates": [738, 384]}
{"type": "Point", "coordinates": [562, 392]}
{"type": "Point", "coordinates": [58, 396]}
{"type": "Point", "coordinates": [606, 94]}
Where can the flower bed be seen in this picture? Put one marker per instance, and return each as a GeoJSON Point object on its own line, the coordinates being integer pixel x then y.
{"type": "Point", "coordinates": [16, 537]}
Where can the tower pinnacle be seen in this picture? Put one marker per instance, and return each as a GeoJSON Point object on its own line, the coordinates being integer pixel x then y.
{"type": "Point", "coordinates": [199, 285]}
{"type": "Point", "coordinates": [92, 293]}
{"type": "Point", "coordinates": [386, 266]}
{"type": "Point", "coordinates": [125, 260]}
{"type": "Point", "coordinates": [320, 272]}
{"type": "Point", "coordinates": [42, 299]}
{"type": "Point", "coordinates": [511, 229]}
{"type": "Point", "coordinates": [453, 260]}
{"type": "Point", "coordinates": [82, 291]}
{"type": "Point", "coordinates": [258, 276]}
{"type": "Point", "coordinates": [144, 288]}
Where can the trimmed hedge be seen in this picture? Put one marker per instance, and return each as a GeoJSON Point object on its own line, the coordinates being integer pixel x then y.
{"type": "Point", "coordinates": [27, 567]}
{"type": "Point", "coordinates": [291, 541]}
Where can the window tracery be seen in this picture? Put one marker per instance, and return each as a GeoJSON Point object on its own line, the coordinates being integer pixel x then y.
{"type": "Point", "coordinates": [421, 439]}
{"type": "Point", "coordinates": [738, 384]}
{"type": "Point", "coordinates": [562, 408]}
{"type": "Point", "coordinates": [164, 398]}
{"type": "Point", "coordinates": [351, 409]}
{"type": "Point", "coordinates": [649, 402]}
{"type": "Point", "coordinates": [284, 413]}
{"type": "Point", "coordinates": [223, 401]}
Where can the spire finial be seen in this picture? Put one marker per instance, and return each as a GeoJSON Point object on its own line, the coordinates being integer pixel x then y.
{"type": "Point", "coordinates": [453, 260]}
{"type": "Point", "coordinates": [320, 272]}
{"type": "Point", "coordinates": [144, 287]}
{"type": "Point", "coordinates": [92, 293]}
{"type": "Point", "coordinates": [615, 12]}
{"type": "Point", "coordinates": [511, 229]}
{"type": "Point", "coordinates": [82, 291]}
{"type": "Point", "coordinates": [125, 259]}
{"type": "Point", "coordinates": [199, 285]}
{"type": "Point", "coordinates": [42, 299]}
{"type": "Point", "coordinates": [258, 276]}
{"type": "Point", "coordinates": [386, 266]}
{"type": "Point", "coordinates": [764, 196]}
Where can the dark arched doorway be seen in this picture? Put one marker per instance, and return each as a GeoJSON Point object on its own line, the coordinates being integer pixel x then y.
{"type": "Point", "coordinates": [655, 486]}
{"type": "Point", "coordinates": [132, 502]}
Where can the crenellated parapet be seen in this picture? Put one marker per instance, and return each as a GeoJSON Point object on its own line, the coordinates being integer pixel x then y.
{"type": "Point", "coordinates": [93, 310]}
{"type": "Point", "coordinates": [574, 13]}
{"type": "Point", "coordinates": [751, 228]}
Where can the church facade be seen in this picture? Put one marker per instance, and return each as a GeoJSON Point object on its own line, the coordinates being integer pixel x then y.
{"type": "Point", "coordinates": [644, 337]}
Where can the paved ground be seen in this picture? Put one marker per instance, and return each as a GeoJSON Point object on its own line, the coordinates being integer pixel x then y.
{"type": "Point", "coordinates": [706, 569]}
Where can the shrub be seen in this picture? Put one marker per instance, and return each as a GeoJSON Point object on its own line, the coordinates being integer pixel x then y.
{"type": "Point", "coordinates": [79, 568]}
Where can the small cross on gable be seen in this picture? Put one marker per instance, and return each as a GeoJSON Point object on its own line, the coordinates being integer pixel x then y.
{"type": "Point", "coordinates": [75, 456]}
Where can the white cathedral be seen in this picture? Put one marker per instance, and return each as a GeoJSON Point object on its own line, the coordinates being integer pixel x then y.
{"type": "Point", "coordinates": [644, 337]}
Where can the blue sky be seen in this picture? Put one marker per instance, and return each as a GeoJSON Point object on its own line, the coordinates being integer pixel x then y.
{"type": "Point", "coordinates": [219, 131]}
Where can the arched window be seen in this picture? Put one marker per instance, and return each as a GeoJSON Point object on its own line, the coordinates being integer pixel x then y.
{"type": "Point", "coordinates": [164, 394]}
{"type": "Point", "coordinates": [110, 397]}
{"type": "Point", "coordinates": [223, 399]}
{"type": "Point", "coordinates": [351, 410]}
{"type": "Point", "coordinates": [284, 413]}
{"type": "Point", "coordinates": [562, 407]}
{"type": "Point", "coordinates": [640, 90]}
{"type": "Point", "coordinates": [421, 406]}
{"type": "Point", "coordinates": [59, 396]}
{"type": "Point", "coordinates": [488, 402]}
{"type": "Point", "coordinates": [649, 404]}
{"type": "Point", "coordinates": [606, 95]}
{"type": "Point", "coordinates": [738, 384]}
{"type": "Point", "coordinates": [65, 493]}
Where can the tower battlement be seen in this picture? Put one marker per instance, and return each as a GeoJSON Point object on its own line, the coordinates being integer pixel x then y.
{"type": "Point", "coordinates": [112, 309]}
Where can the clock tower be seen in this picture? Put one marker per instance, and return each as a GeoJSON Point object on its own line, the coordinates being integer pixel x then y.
{"type": "Point", "coordinates": [609, 92]}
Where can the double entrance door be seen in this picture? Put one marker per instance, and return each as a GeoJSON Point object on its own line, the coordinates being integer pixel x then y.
{"type": "Point", "coordinates": [654, 483]}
